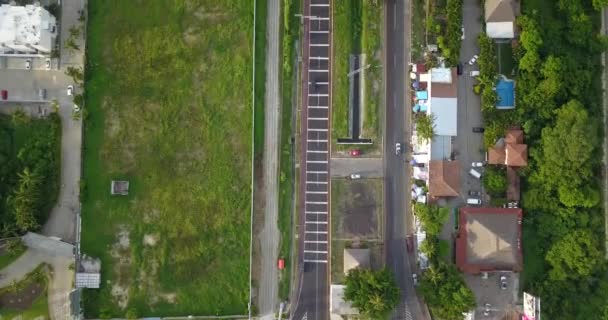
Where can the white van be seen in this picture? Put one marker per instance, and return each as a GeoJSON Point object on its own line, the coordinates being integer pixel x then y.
{"type": "Point", "coordinates": [475, 173]}
{"type": "Point", "coordinates": [475, 73]}
{"type": "Point", "coordinates": [473, 201]}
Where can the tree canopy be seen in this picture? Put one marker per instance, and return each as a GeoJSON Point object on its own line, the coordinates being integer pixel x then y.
{"type": "Point", "coordinates": [374, 293]}
{"type": "Point", "coordinates": [445, 292]}
{"type": "Point", "coordinates": [425, 126]}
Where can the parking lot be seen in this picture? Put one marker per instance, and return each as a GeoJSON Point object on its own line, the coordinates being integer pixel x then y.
{"type": "Point", "coordinates": [490, 296]}
{"type": "Point", "coordinates": [25, 85]}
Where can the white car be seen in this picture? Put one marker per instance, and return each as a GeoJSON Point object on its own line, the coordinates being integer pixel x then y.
{"type": "Point", "coordinates": [397, 148]}
{"type": "Point", "coordinates": [70, 90]}
{"type": "Point", "coordinates": [462, 36]}
{"type": "Point", "coordinates": [28, 64]}
{"type": "Point", "coordinates": [355, 176]}
{"type": "Point", "coordinates": [473, 60]}
{"type": "Point", "coordinates": [415, 278]}
{"type": "Point", "coordinates": [503, 282]}
{"type": "Point", "coordinates": [76, 108]}
{"type": "Point", "coordinates": [477, 164]}
{"type": "Point", "coordinates": [48, 64]}
{"type": "Point", "coordinates": [475, 73]}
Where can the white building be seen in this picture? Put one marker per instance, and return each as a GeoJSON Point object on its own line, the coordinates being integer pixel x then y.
{"type": "Point", "coordinates": [26, 30]}
{"type": "Point", "coordinates": [500, 18]}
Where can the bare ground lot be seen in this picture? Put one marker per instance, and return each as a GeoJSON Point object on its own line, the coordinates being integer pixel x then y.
{"type": "Point", "coordinates": [356, 221]}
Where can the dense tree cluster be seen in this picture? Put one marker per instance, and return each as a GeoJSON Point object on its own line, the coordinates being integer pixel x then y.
{"type": "Point", "coordinates": [29, 171]}
{"type": "Point", "coordinates": [425, 126]}
{"type": "Point", "coordinates": [559, 105]}
{"type": "Point", "coordinates": [374, 293]}
{"type": "Point", "coordinates": [444, 23]}
{"type": "Point", "coordinates": [495, 180]}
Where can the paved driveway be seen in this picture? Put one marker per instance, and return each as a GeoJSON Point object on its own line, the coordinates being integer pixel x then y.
{"type": "Point", "coordinates": [366, 167]}
{"type": "Point", "coordinates": [468, 144]}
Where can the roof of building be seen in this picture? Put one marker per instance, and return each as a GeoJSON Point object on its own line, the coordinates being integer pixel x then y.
{"type": "Point", "coordinates": [355, 258]}
{"type": "Point", "coordinates": [441, 147]}
{"type": "Point", "coordinates": [444, 178]}
{"type": "Point", "coordinates": [337, 302]}
{"type": "Point", "coordinates": [442, 75]}
{"type": "Point", "coordinates": [24, 24]}
{"type": "Point", "coordinates": [496, 155]}
{"type": "Point", "coordinates": [445, 111]}
{"type": "Point", "coordinates": [505, 89]}
{"type": "Point", "coordinates": [119, 187]}
{"type": "Point", "coordinates": [500, 10]}
{"type": "Point", "coordinates": [88, 280]}
{"type": "Point", "coordinates": [513, 185]}
{"type": "Point", "coordinates": [442, 89]}
{"type": "Point", "coordinates": [516, 155]}
{"type": "Point", "coordinates": [514, 136]}
{"type": "Point", "coordinates": [489, 239]}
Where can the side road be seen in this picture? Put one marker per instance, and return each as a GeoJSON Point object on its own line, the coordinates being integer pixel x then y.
{"type": "Point", "coordinates": [269, 236]}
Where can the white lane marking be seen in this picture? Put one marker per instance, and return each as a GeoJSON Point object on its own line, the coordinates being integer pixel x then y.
{"type": "Point", "coordinates": [317, 119]}
{"type": "Point", "coordinates": [318, 107]}
{"type": "Point", "coordinates": [320, 83]}
{"type": "Point", "coordinates": [314, 251]}
{"type": "Point", "coordinates": [395, 16]}
{"type": "Point", "coordinates": [315, 261]}
{"type": "Point", "coordinates": [313, 129]}
{"type": "Point", "coordinates": [316, 161]}
{"type": "Point", "coordinates": [319, 4]}
{"type": "Point", "coordinates": [317, 172]}
{"type": "Point", "coordinates": [316, 182]}
{"type": "Point", "coordinates": [316, 232]}
{"type": "Point", "coordinates": [318, 70]}
{"type": "Point", "coordinates": [317, 140]}
{"type": "Point", "coordinates": [316, 192]}
{"type": "Point", "coordinates": [315, 212]}
{"type": "Point", "coordinates": [316, 151]}
{"type": "Point", "coordinates": [318, 94]}
{"type": "Point", "coordinates": [318, 31]}
{"type": "Point", "coordinates": [315, 202]}
{"type": "Point", "coordinates": [318, 45]}
{"type": "Point", "coordinates": [316, 222]}
{"type": "Point", "coordinates": [319, 18]}
{"type": "Point", "coordinates": [318, 58]}
{"type": "Point", "coordinates": [315, 241]}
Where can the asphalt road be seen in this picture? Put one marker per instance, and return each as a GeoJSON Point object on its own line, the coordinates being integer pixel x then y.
{"type": "Point", "coordinates": [313, 298]}
{"type": "Point", "coordinates": [399, 222]}
{"type": "Point", "coordinates": [269, 236]}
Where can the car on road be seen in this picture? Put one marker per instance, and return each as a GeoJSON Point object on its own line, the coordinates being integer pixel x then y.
{"type": "Point", "coordinates": [503, 282]}
{"type": "Point", "coordinates": [4, 94]}
{"type": "Point", "coordinates": [486, 311]}
{"type": "Point", "coordinates": [478, 129]}
{"type": "Point", "coordinates": [397, 148]}
{"type": "Point", "coordinates": [355, 152]}
{"type": "Point", "coordinates": [47, 64]}
{"type": "Point", "coordinates": [459, 69]}
{"type": "Point", "coordinates": [70, 90]}
{"type": "Point", "coordinates": [474, 193]}
{"type": "Point", "coordinates": [76, 108]}
{"type": "Point", "coordinates": [415, 278]}
{"type": "Point", "coordinates": [475, 173]}
{"type": "Point", "coordinates": [475, 73]}
{"type": "Point", "coordinates": [462, 31]}
{"type": "Point", "coordinates": [355, 176]}
{"type": "Point", "coordinates": [473, 60]}
{"type": "Point", "coordinates": [477, 164]}
{"type": "Point", "coordinates": [28, 64]}
{"type": "Point", "coordinates": [281, 264]}
{"type": "Point", "coordinates": [473, 201]}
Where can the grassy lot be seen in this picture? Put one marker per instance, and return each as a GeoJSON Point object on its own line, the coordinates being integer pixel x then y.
{"type": "Point", "coordinates": [30, 298]}
{"type": "Point", "coordinates": [418, 29]}
{"type": "Point", "coordinates": [10, 252]}
{"type": "Point", "coordinates": [357, 29]}
{"type": "Point", "coordinates": [260, 77]}
{"type": "Point", "coordinates": [169, 104]}
{"type": "Point", "coordinates": [506, 62]}
{"type": "Point", "coordinates": [337, 256]}
{"type": "Point", "coordinates": [290, 31]}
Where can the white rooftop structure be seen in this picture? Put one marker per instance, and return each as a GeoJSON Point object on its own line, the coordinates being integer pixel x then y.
{"type": "Point", "coordinates": [441, 75]}
{"type": "Point", "coordinates": [88, 280]}
{"type": "Point", "coordinates": [445, 112]}
{"type": "Point", "coordinates": [29, 29]}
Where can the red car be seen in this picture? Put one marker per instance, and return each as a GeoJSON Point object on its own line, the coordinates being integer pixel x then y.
{"type": "Point", "coordinates": [355, 152]}
{"type": "Point", "coordinates": [281, 264]}
{"type": "Point", "coordinates": [4, 94]}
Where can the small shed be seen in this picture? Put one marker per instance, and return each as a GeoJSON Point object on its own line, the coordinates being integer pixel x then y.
{"type": "Point", "coordinates": [119, 187]}
{"type": "Point", "coordinates": [88, 274]}
{"type": "Point", "coordinates": [355, 258]}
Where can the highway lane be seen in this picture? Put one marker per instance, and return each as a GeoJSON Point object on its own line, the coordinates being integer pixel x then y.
{"type": "Point", "coordinates": [399, 222]}
{"type": "Point", "coordinates": [314, 237]}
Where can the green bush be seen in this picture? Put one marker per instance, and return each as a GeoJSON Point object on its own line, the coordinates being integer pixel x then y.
{"type": "Point", "coordinates": [495, 180]}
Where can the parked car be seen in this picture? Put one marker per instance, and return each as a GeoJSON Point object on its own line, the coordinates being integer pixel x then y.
{"type": "Point", "coordinates": [76, 108]}
{"type": "Point", "coordinates": [47, 63]}
{"type": "Point", "coordinates": [475, 173]}
{"type": "Point", "coordinates": [503, 282]}
{"type": "Point", "coordinates": [28, 64]}
{"type": "Point", "coordinates": [475, 193]}
{"type": "Point", "coordinates": [473, 60]}
{"type": "Point", "coordinates": [415, 278]}
{"type": "Point", "coordinates": [486, 311]}
{"type": "Point", "coordinates": [355, 152]}
{"type": "Point", "coordinates": [397, 148]}
{"type": "Point", "coordinates": [475, 73]}
{"type": "Point", "coordinates": [459, 69]}
{"type": "Point", "coordinates": [281, 264]}
{"type": "Point", "coordinates": [513, 204]}
{"type": "Point", "coordinates": [355, 176]}
{"type": "Point", "coordinates": [477, 164]}
{"type": "Point", "coordinates": [473, 201]}
{"type": "Point", "coordinates": [70, 90]}
{"type": "Point", "coordinates": [4, 94]}
{"type": "Point", "coordinates": [462, 31]}
{"type": "Point", "coordinates": [478, 129]}
{"type": "Point", "coordinates": [42, 94]}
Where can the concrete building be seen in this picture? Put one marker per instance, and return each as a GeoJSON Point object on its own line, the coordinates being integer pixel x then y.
{"type": "Point", "coordinates": [26, 30]}
{"type": "Point", "coordinates": [500, 18]}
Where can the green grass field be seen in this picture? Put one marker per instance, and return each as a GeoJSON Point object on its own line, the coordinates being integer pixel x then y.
{"type": "Point", "coordinates": [169, 109]}
{"type": "Point", "coordinates": [357, 30]}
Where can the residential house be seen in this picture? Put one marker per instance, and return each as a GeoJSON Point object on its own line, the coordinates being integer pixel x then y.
{"type": "Point", "coordinates": [500, 18]}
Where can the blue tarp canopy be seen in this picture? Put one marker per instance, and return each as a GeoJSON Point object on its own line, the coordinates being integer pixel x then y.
{"type": "Point", "coordinates": [422, 95]}
{"type": "Point", "coordinates": [419, 108]}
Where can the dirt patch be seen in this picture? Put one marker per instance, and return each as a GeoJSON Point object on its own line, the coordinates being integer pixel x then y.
{"type": "Point", "coordinates": [22, 299]}
{"type": "Point", "coordinates": [356, 207]}
{"type": "Point", "coordinates": [259, 204]}
{"type": "Point", "coordinates": [122, 268]}
{"type": "Point", "coordinates": [150, 239]}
